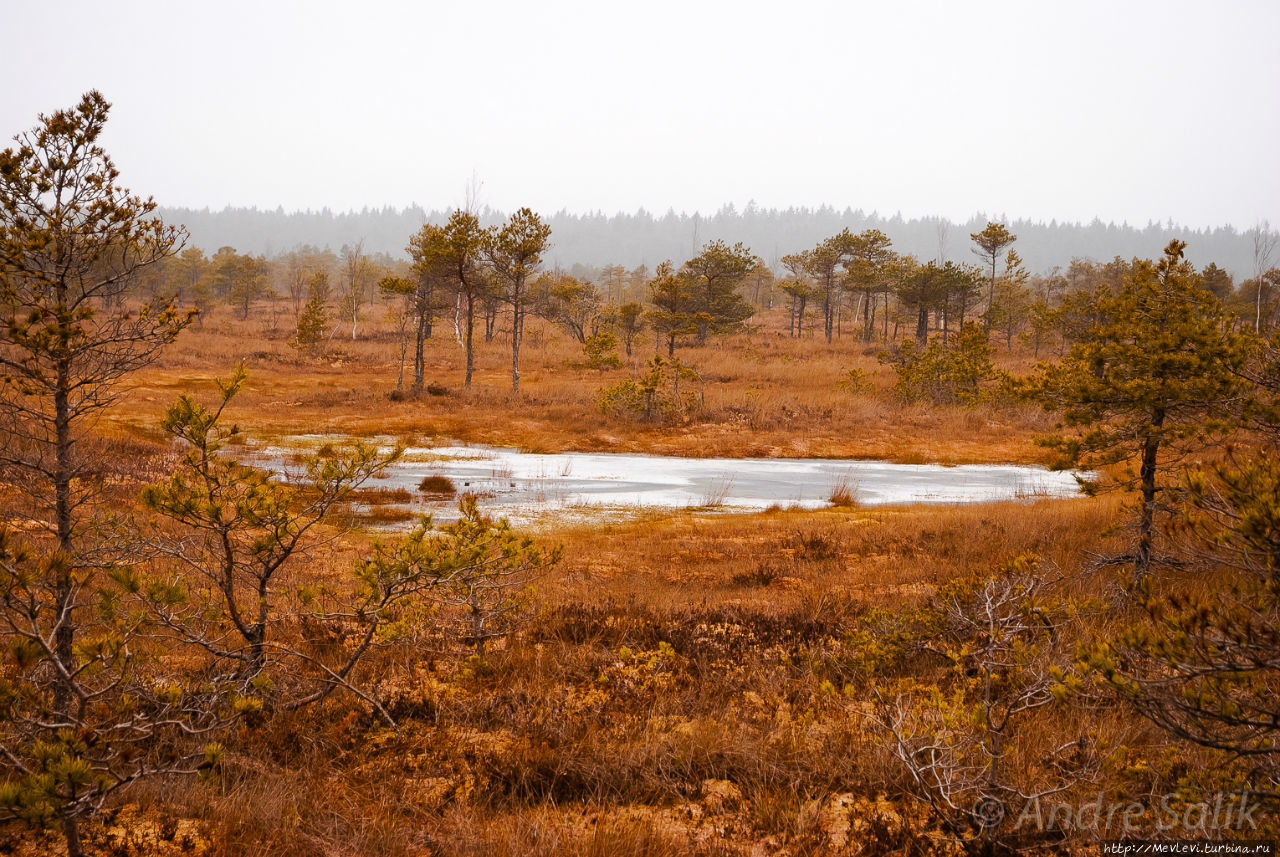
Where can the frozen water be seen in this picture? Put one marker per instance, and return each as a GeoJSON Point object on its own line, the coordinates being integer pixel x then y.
{"type": "Point", "coordinates": [525, 486]}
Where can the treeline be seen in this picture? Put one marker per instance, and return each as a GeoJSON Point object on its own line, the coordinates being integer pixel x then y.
{"type": "Point", "coordinates": [643, 238]}
{"type": "Point", "coordinates": [486, 281]}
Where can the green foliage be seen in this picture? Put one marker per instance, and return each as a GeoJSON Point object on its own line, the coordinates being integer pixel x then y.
{"type": "Point", "coordinates": [1262, 371]}
{"type": "Point", "coordinates": [314, 318]}
{"type": "Point", "coordinates": [960, 375]}
{"type": "Point", "coordinates": [515, 252]}
{"type": "Point", "coordinates": [132, 716]}
{"type": "Point", "coordinates": [1155, 363]}
{"type": "Point", "coordinates": [630, 322]}
{"type": "Point", "coordinates": [479, 569]}
{"type": "Point", "coordinates": [673, 315]}
{"type": "Point", "coordinates": [990, 242]}
{"type": "Point", "coordinates": [855, 382]}
{"type": "Point", "coordinates": [713, 278]}
{"type": "Point", "coordinates": [599, 351]}
{"type": "Point", "coordinates": [248, 281]}
{"type": "Point", "coordinates": [655, 396]}
{"type": "Point", "coordinates": [926, 288]}
{"type": "Point", "coordinates": [1011, 302]}
{"type": "Point", "coordinates": [570, 303]}
{"type": "Point", "coordinates": [799, 291]}
{"type": "Point", "coordinates": [1205, 664]}
{"type": "Point", "coordinates": [453, 253]}
{"type": "Point", "coordinates": [871, 268]}
{"type": "Point", "coordinates": [231, 534]}
{"type": "Point", "coordinates": [78, 715]}
{"type": "Point", "coordinates": [1155, 372]}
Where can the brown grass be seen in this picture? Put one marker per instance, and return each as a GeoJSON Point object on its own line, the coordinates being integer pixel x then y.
{"type": "Point", "coordinates": [436, 483]}
{"type": "Point", "coordinates": [677, 690]}
{"type": "Point", "coordinates": [669, 698]}
{"type": "Point", "coordinates": [766, 395]}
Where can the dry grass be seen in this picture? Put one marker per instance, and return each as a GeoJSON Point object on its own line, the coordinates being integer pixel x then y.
{"type": "Point", "coordinates": [765, 395]}
{"type": "Point", "coordinates": [436, 483]}
{"type": "Point", "coordinates": [677, 691]}
{"type": "Point", "coordinates": [671, 697]}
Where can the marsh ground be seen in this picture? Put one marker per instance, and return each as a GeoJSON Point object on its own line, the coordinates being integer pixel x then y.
{"type": "Point", "coordinates": [678, 687]}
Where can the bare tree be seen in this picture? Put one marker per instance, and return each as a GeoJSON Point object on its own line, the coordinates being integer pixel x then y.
{"type": "Point", "coordinates": [1264, 248]}
{"type": "Point", "coordinates": [357, 272]}
{"type": "Point", "coordinates": [1006, 661]}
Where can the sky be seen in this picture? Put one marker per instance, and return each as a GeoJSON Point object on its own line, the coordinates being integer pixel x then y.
{"type": "Point", "coordinates": [1125, 111]}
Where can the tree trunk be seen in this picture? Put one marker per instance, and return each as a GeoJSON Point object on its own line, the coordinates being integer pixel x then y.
{"type": "Point", "coordinates": [404, 349]}
{"type": "Point", "coordinates": [1257, 313]}
{"type": "Point", "coordinates": [922, 324]}
{"type": "Point", "coordinates": [1147, 474]}
{"type": "Point", "coordinates": [517, 329]}
{"type": "Point", "coordinates": [471, 324]}
{"type": "Point", "coordinates": [64, 641]}
{"type": "Point", "coordinates": [419, 358]}
{"type": "Point", "coordinates": [991, 297]}
{"type": "Point", "coordinates": [71, 833]}
{"type": "Point", "coordinates": [826, 312]}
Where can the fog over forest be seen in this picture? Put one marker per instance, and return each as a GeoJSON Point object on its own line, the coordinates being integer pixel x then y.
{"type": "Point", "coordinates": [599, 239]}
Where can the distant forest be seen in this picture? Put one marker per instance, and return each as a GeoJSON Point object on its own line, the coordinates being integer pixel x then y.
{"type": "Point", "coordinates": [598, 239]}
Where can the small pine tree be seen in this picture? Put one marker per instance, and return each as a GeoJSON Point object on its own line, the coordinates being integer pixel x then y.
{"type": "Point", "coordinates": [655, 396]}
{"type": "Point", "coordinates": [598, 351]}
{"type": "Point", "coordinates": [314, 318]}
{"type": "Point", "coordinates": [478, 569]}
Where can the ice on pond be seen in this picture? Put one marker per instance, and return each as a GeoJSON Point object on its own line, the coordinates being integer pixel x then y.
{"type": "Point", "coordinates": [528, 486]}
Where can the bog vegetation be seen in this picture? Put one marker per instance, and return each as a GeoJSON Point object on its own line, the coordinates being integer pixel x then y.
{"type": "Point", "coordinates": [202, 657]}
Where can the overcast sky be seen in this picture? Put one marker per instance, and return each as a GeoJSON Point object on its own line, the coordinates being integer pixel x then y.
{"type": "Point", "coordinates": [1128, 111]}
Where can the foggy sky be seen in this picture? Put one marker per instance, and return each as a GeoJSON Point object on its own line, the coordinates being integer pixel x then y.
{"type": "Point", "coordinates": [1127, 111]}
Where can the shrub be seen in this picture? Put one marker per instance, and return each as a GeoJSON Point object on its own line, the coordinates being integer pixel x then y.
{"type": "Point", "coordinates": [598, 352]}
{"type": "Point", "coordinates": [934, 373]}
{"type": "Point", "coordinates": [656, 396]}
{"type": "Point", "coordinates": [844, 494]}
{"type": "Point", "coordinates": [435, 483]}
{"type": "Point", "coordinates": [855, 381]}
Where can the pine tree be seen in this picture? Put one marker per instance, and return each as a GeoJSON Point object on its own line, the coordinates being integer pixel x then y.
{"type": "Point", "coordinates": [1150, 378]}
{"type": "Point", "coordinates": [1205, 663]}
{"type": "Point", "coordinates": [515, 253]}
{"type": "Point", "coordinates": [72, 241]}
{"type": "Point", "coordinates": [311, 324]}
{"type": "Point", "coordinates": [934, 373]}
{"type": "Point", "coordinates": [991, 241]}
{"type": "Point", "coordinates": [714, 276]}
{"type": "Point", "coordinates": [479, 569]}
{"type": "Point", "coordinates": [673, 315]}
